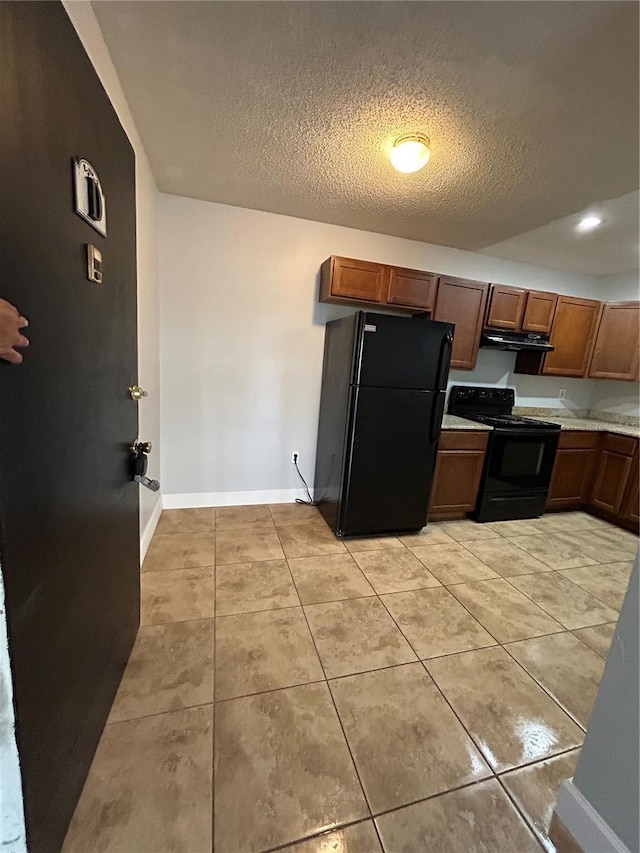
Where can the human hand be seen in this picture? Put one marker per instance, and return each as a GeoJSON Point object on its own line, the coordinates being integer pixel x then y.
{"type": "Point", "coordinates": [11, 321]}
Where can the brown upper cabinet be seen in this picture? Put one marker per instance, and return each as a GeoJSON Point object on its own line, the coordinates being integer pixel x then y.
{"type": "Point", "coordinates": [506, 307]}
{"type": "Point", "coordinates": [572, 333]}
{"type": "Point", "coordinates": [519, 310]}
{"type": "Point", "coordinates": [539, 312]}
{"type": "Point", "coordinates": [617, 348]}
{"type": "Point", "coordinates": [411, 288]}
{"type": "Point", "coordinates": [462, 302]}
{"type": "Point", "coordinates": [353, 282]}
{"type": "Point", "coordinates": [349, 280]}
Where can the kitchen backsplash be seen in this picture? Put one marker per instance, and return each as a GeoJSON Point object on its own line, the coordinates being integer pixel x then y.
{"type": "Point", "coordinates": [495, 368]}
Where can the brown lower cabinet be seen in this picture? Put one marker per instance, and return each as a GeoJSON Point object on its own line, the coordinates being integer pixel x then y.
{"type": "Point", "coordinates": [573, 470]}
{"type": "Point", "coordinates": [458, 471]}
{"type": "Point", "coordinates": [597, 472]}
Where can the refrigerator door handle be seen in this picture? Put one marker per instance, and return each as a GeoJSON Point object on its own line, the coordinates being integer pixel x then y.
{"type": "Point", "coordinates": [443, 362]}
{"type": "Point", "coordinates": [437, 413]}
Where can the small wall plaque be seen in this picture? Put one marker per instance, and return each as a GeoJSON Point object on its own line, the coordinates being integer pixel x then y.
{"type": "Point", "coordinates": [88, 195]}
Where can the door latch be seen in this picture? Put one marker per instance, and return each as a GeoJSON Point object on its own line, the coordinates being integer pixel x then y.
{"type": "Point", "coordinates": [139, 461]}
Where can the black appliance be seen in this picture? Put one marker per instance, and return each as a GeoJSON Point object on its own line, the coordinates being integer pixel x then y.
{"type": "Point", "coordinates": [383, 397]}
{"type": "Point", "coordinates": [520, 453]}
{"type": "Point", "coordinates": [515, 341]}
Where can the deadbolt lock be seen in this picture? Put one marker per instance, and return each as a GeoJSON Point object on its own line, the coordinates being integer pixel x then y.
{"type": "Point", "coordinates": [137, 393]}
{"type": "Point", "coordinates": [141, 447]}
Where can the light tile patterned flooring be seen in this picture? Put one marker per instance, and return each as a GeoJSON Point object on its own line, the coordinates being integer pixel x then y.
{"type": "Point", "coordinates": [398, 695]}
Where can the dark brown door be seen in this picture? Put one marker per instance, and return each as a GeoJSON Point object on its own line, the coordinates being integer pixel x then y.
{"type": "Point", "coordinates": [506, 307]}
{"type": "Point", "coordinates": [462, 302]}
{"type": "Point", "coordinates": [616, 354]}
{"type": "Point", "coordinates": [68, 511]}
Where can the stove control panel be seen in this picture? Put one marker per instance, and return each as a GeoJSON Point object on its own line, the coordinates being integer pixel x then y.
{"type": "Point", "coordinates": [475, 398]}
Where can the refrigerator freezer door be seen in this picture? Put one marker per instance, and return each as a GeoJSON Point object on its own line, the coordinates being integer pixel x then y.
{"type": "Point", "coordinates": [401, 352]}
{"type": "Point", "coordinates": [390, 461]}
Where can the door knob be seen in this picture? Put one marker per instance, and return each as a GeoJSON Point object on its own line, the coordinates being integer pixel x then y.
{"type": "Point", "coordinates": [137, 393]}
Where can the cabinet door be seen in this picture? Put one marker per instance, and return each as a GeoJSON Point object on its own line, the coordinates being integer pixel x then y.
{"type": "Point", "coordinates": [630, 507]}
{"type": "Point", "coordinates": [538, 315]}
{"type": "Point", "coordinates": [572, 336]}
{"type": "Point", "coordinates": [456, 481]}
{"type": "Point", "coordinates": [571, 477]}
{"type": "Point", "coordinates": [611, 481]}
{"type": "Point", "coordinates": [506, 307]}
{"type": "Point", "coordinates": [411, 288]}
{"type": "Point", "coordinates": [356, 281]}
{"type": "Point", "coordinates": [617, 348]}
{"type": "Point", "coordinates": [462, 302]}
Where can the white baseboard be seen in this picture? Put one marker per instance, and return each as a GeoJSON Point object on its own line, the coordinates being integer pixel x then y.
{"type": "Point", "coordinates": [204, 499]}
{"type": "Point", "coordinates": [147, 533]}
{"type": "Point", "coordinates": [584, 823]}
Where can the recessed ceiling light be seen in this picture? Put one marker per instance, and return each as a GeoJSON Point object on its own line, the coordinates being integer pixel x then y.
{"type": "Point", "coordinates": [410, 153]}
{"type": "Point", "coordinates": [589, 222]}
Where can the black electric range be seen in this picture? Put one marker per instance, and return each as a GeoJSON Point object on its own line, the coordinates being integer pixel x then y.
{"type": "Point", "coordinates": [520, 453]}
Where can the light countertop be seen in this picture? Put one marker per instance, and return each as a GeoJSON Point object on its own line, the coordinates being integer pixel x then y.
{"type": "Point", "coordinates": [454, 422]}
{"type": "Point", "coordinates": [580, 424]}
{"type": "Point", "coordinates": [591, 425]}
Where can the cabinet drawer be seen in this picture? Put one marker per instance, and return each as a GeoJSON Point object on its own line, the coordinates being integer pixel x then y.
{"type": "Point", "coordinates": [625, 445]}
{"type": "Point", "coordinates": [570, 440]}
{"type": "Point", "coordinates": [458, 439]}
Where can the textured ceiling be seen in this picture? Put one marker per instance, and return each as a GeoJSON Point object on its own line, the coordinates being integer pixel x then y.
{"type": "Point", "coordinates": [531, 107]}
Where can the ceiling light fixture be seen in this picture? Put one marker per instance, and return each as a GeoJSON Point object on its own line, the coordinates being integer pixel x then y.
{"type": "Point", "coordinates": [589, 222]}
{"type": "Point", "coordinates": [410, 153]}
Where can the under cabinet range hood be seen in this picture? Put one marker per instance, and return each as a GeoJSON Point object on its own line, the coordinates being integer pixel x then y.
{"type": "Point", "coordinates": [515, 341]}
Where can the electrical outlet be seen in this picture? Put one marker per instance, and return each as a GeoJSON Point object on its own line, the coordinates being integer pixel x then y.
{"type": "Point", "coordinates": [295, 457]}
{"type": "Point", "coordinates": [562, 394]}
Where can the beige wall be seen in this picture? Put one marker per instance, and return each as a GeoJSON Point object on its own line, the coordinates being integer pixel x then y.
{"type": "Point", "coordinates": [242, 340]}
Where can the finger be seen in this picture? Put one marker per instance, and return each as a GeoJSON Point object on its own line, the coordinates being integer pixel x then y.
{"type": "Point", "coordinates": [22, 321]}
{"type": "Point", "coordinates": [12, 308]}
{"type": "Point", "coordinates": [21, 341]}
{"type": "Point", "coordinates": [12, 357]}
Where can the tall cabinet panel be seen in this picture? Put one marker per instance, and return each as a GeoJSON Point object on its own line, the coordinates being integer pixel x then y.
{"type": "Point", "coordinates": [616, 354]}
{"type": "Point", "coordinates": [463, 303]}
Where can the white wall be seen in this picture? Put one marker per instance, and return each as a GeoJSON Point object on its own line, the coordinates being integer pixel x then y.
{"type": "Point", "coordinates": [86, 25]}
{"type": "Point", "coordinates": [242, 342]}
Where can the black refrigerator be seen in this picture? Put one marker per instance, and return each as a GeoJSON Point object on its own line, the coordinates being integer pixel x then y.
{"type": "Point", "coordinates": [383, 392]}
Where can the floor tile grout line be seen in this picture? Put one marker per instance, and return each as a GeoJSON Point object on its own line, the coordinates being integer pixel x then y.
{"type": "Point", "coordinates": [159, 714]}
{"type": "Point", "coordinates": [326, 681]}
{"type": "Point", "coordinates": [528, 764]}
{"type": "Point", "coordinates": [437, 686]}
{"type": "Point", "coordinates": [543, 686]}
{"type": "Point", "coordinates": [579, 586]}
{"type": "Point", "coordinates": [551, 616]}
{"type": "Point", "coordinates": [375, 815]}
{"type": "Point", "coordinates": [528, 822]}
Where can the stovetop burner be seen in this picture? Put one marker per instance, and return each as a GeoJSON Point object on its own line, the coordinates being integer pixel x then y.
{"type": "Point", "coordinates": [493, 407]}
{"type": "Point", "coordinates": [511, 421]}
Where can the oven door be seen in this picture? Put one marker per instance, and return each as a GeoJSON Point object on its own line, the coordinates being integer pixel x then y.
{"type": "Point", "coordinates": [520, 460]}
